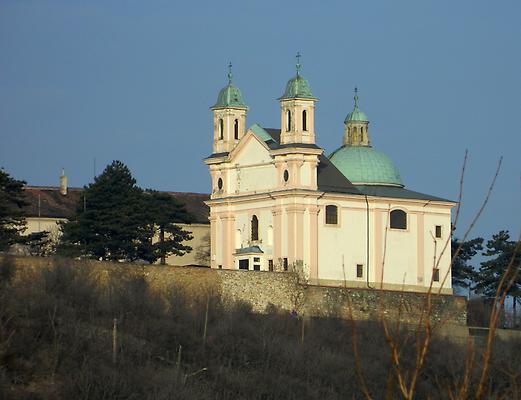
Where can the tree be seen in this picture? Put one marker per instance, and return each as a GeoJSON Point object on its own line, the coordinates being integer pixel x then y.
{"type": "Point", "coordinates": [163, 213]}
{"type": "Point", "coordinates": [464, 274]}
{"type": "Point", "coordinates": [503, 251]}
{"type": "Point", "coordinates": [109, 219]}
{"type": "Point", "coordinates": [12, 220]}
{"type": "Point", "coordinates": [39, 243]}
{"type": "Point", "coordinates": [116, 220]}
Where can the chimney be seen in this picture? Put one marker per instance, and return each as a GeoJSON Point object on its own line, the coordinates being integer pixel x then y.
{"type": "Point", "coordinates": [63, 183]}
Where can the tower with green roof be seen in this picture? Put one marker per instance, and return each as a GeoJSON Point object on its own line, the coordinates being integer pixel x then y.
{"type": "Point", "coordinates": [297, 110]}
{"type": "Point", "coordinates": [357, 159]}
{"type": "Point", "coordinates": [229, 117]}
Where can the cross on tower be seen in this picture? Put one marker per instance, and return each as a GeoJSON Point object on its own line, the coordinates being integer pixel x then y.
{"type": "Point", "coordinates": [230, 75]}
{"type": "Point", "coordinates": [356, 97]}
{"type": "Point", "coordinates": [298, 62]}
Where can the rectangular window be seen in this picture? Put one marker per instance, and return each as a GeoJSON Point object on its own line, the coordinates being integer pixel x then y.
{"type": "Point", "coordinates": [256, 267]}
{"type": "Point", "coordinates": [244, 264]}
{"type": "Point", "coordinates": [359, 270]}
{"type": "Point", "coordinates": [436, 274]}
{"type": "Point", "coordinates": [285, 264]}
{"type": "Point", "coordinates": [256, 259]}
{"type": "Point", "coordinates": [331, 215]}
{"type": "Point", "coordinates": [270, 265]}
{"type": "Point", "coordinates": [438, 231]}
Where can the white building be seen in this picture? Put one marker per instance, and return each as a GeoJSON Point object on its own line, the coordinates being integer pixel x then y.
{"type": "Point", "coordinates": [279, 203]}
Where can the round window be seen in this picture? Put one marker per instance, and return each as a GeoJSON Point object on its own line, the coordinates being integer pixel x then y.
{"type": "Point", "coordinates": [286, 175]}
{"type": "Point", "coordinates": [220, 183]}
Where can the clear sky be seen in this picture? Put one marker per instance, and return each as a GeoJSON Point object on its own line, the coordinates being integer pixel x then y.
{"type": "Point", "coordinates": [134, 80]}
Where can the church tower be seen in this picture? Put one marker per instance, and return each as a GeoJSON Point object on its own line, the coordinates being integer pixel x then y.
{"type": "Point", "coordinates": [356, 131]}
{"type": "Point", "coordinates": [229, 117]}
{"type": "Point", "coordinates": [297, 109]}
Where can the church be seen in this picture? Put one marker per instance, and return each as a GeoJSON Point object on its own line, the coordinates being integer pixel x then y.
{"type": "Point", "coordinates": [278, 203]}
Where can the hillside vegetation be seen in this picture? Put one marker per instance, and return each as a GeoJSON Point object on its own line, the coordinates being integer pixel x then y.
{"type": "Point", "coordinates": [57, 341]}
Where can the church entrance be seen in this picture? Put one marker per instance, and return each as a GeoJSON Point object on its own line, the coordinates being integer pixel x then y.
{"type": "Point", "coordinates": [244, 264]}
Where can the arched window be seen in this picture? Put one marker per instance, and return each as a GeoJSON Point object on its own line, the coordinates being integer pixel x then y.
{"type": "Point", "coordinates": [398, 219]}
{"type": "Point", "coordinates": [254, 228]}
{"type": "Point", "coordinates": [331, 215]}
{"type": "Point", "coordinates": [236, 129]}
{"type": "Point", "coordinates": [304, 120]}
{"type": "Point", "coordinates": [288, 120]}
{"type": "Point", "coordinates": [220, 184]}
{"type": "Point", "coordinates": [221, 129]}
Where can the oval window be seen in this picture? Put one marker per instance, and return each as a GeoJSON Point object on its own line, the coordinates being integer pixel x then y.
{"type": "Point", "coordinates": [286, 175]}
{"type": "Point", "coordinates": [220, 184]}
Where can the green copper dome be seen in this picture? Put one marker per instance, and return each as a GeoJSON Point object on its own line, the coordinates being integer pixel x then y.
{"type": "Point", "coordinates": [297, 87]}
{"type": "Point", "coordinates": [230, 96]}
{"type": "Point", "coordinates": [363, 165]}
{"type": "Point", "coordinates": [356, 115]}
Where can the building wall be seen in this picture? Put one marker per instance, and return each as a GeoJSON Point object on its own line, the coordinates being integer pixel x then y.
{"type": "Point", "coordinates": [200, 242]}
{"type": "Point", "coordinates": [200, 254]}
{"type": "Point", "coordinates": [403, 258]}
{"type": "Point", "coordinates": [39, 224]}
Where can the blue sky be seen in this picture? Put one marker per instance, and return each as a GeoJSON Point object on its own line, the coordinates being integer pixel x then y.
{"type": "Point", "coordinates": [133, 80]}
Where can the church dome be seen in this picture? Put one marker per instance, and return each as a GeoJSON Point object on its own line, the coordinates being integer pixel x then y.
{"type": "Point", "coordinates": [363, 165]}
{"type": "Point", "coordinates": [297, 87]}
{"type": "Point", "coordinates": [230, 96]}
{"type": "Point", "coordinates": [356, 115]}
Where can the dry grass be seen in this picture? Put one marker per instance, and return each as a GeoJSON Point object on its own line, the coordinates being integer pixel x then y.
{"type": "Point", "coordinates": [56, 342]}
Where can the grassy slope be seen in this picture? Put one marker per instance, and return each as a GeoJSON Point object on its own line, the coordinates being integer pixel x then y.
{"type": "Point", "coordinates": [56, 343]}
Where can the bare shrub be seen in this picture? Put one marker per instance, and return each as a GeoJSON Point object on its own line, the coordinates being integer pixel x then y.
{"type": "Point", "coordinates": [7, 269]}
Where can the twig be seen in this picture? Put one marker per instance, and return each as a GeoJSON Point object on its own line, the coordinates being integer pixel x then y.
{"type": "Point", "coordinates": [501, 294]}
{"type": "Point", "coordinates": [471, 226]}
{"type": "Point", "coordinates": [115, 341]}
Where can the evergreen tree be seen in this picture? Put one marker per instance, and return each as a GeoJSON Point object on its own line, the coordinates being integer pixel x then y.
{"type": "Point", "coordinates": [163, 213]}
{"type": "Point", "coordinates": [501, 249]}
{"type": "Point", "coordinates": [463, 274]}
{"type": "Point", "coordinates": [109, 219]}
{"type": "Point", "coordinates": [12, 220]}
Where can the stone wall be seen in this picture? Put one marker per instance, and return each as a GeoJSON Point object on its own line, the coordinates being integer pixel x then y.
{"type": "Point", "coordinates": [281, 290]}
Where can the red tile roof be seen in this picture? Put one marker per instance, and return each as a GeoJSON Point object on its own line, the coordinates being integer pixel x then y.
{"type": "Point", "coordinates": [47, 202]}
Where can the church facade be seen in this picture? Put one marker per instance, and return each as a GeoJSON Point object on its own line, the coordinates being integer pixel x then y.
{"type": "Point", "coordinates": [279, 203]}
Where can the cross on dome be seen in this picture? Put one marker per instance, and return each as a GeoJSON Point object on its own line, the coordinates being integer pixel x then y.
{"type": "Point", "coordinates": [298, 66]}
{"type": "Point", "coordinates": [230, 75]}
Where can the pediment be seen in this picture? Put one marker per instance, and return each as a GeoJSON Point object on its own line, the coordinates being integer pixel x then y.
{"type": "Point", "coordinates": [250, 151]}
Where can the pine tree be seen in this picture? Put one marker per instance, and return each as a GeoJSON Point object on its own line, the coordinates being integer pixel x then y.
{"type": "Point", "coordinates": [502, 249]}
{"type": "Point", "coordinates": [12, 220]}
{"type": "Point", "coordinates": [109, 219]}
{"type": "Point", "coordinates": [164, 213]}
{"type": "Point", "coordinates": [504, 252]}
{"type": "Point", "coordinates": [463, 274]}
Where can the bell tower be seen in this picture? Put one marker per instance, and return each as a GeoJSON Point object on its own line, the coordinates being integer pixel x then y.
{"type": "Point", "coordinates": [229, 117]}
{"type": "Point", "coordinates": [356, 132]}
{"type": "Point", "coordinates": [297, 111]}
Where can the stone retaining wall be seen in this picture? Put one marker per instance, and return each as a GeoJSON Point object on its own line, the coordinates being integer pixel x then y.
{"type": "Point", "coordinates": [281, 290]}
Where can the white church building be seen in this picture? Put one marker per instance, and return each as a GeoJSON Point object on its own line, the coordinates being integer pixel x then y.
{"type": "Point", "coordinates": [279, 203]}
